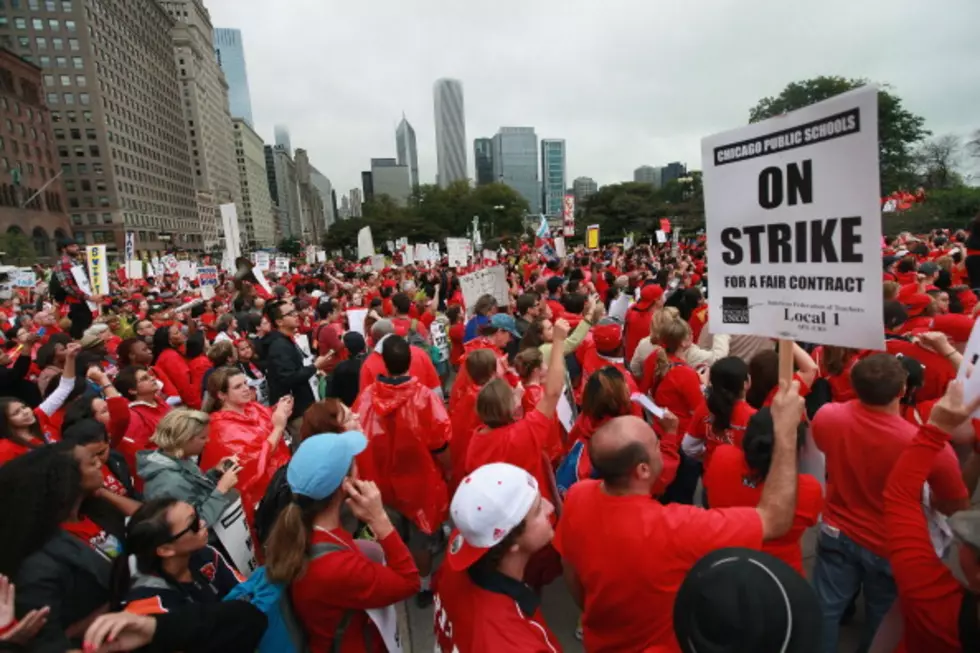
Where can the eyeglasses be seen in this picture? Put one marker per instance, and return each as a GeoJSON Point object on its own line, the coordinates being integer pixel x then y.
{"type": "Point", "coordinates": [194, 527]}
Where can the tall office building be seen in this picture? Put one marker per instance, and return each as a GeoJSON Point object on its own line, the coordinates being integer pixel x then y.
{"type": "Point", "coordinates": [367, 184]}
{"type": "Point", "coordinates": [282, 138]}
{"type": "Point", "coordinates": [230, 51]}
{"type": "Point", "coordinates": [206, 118]}
{"type": "Point", "coordinates": [257, 221]}
{"type": "Point", "coordinates": [311, 204]}
{"type": "Point", "coordinates": [584, 188]}
{"type": "Point", "coordinates": [672, 172]}
{"type": "Point", "coordinates": [344, 208]}
{"type": "Point", "coordinates": [355, 203]}
{"type": "Point", "coordinates": [552, 175]}
{"type": "Point", "coordinates": [116, 117]}
{"type": "Point", "coordinates": [325, 188]}
{"type": "Point", "coordinates": [408, 154]}
{"type": "Point", "coordinates": [390, 178]}
{"type": "Point", "coordinates": [515, 163]}
{"type": "Point", "coordinates": [450, 131]}
{"type": "Point", "coordinates": [649, 175]}
{"type": "Point", "coordinates": [32, 195]}
{"type": "Point", "coordinates": [287, 190]}
{"type": "Point", "coordinates": [483, 160]}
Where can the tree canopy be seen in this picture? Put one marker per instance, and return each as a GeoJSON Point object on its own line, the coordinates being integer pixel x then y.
{"type": "Point", "coordinates": [899, 130]}
{"type": "Point", "coordinates": [637, 207]}
{"type": "Point", "coordinates": [435, 213]}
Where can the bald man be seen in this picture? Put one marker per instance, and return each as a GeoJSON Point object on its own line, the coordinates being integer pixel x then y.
{"type": "Point", "coordinates": [626, 555]}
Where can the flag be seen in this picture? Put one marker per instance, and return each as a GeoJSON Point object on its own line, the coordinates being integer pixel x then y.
{"type": "Point", "coordinates": [543, 241]}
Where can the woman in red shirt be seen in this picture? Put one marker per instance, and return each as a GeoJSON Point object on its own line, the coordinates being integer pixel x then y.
{"type": "Point", "coordinates": [737, 476]}
{"type": "Point", "coordinates": [725, 414]}
{"type": "Point", "coordinates": [167, 342]}
{"type": "Point", "coordinates": [456, 329]}
{"type": "Point", "coordinates": [531, 368]}
{"type": "Point", "coordinates": [197, 361]}
{"type": "Point", "coordinates": [764, 372]}
{"type": "Point", "coordinates": [834, 364]}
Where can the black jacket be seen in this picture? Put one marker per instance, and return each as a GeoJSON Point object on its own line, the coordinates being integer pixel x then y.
{"type": "Point", "coordinates": [72, 579]}
{"type": "Point", "coordinates": [286, 373]}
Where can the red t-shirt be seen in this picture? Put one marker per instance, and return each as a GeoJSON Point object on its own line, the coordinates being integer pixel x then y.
{"type": "Point", "coordinates": [729, 483]}
{"type": "Point", "coordinates": [471, 619]}
{"type": "Point", "coordinates": [938, 372]}
{"type": "Point", "coordinates": [521, 444]}
{"type": "Point", "coordinates": [701, 428]}
{"type": "Point", "coordinates": [456, 343]}
{"type": "Point", "coordinates": [679, 390]}
{"type": "Point", "coordinates": [629, 570]}
{"type": "Point", "coordinates": [420, 367]}
{"type": "Point", "coordinates": [850, 432]}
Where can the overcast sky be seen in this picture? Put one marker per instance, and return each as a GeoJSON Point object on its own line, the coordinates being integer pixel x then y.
{"type": "Point", "coordinates": [624, 82]}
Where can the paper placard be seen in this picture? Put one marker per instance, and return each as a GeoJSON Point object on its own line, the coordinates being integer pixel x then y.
{"type": "Point", "coordinates": [130, 251]}
{"type": "Point", "coordinates": [647, 404]}
{"type": "Point", "coordinates": [261, 260]}
{"type": "Point", "coordinates": [232, 530]}
{"type": "Point", "coordinates": [260, 277]}
{"type": "Point", "coordinates": [321, 256]}
{"type": "Point", "coordinates": [355, 319]}
{"type": "Point", "coordinates": [378, 262]}
{"type": "Point", "coordinates": [560, 247]}
{"type": "Point", "coordinates": [365, 243]}
{"type": "Point", "coordinates": [207, 276]}
{"type": "Point", "coordinates": [661, 237]}
{"type": "Point", "coordinates": [566, 415]}
{"type": "Point", "coordinates": [408, 256]}
{"type": "Point", "coordinates": [489, 255]}
{"type": "Point", "coordinates": [310, 255]}
{"type": "Point", "coordinates": [134, 269]}
{"type": "Point", "coordinates": [282, 265]}
{"type": "Point", "coordinates": [440, 339]}
{"type": "Point", "coordinates": [25, 278]}
{"type": "Point", "coordinates": [302, 341]}
{"type": "Point", "coordinates": [186, 269]}
{"type": "Point", "coordinates": [488, 281]}
{"type": "Point", "coordinates": [157, 267]}
{"type": "Point", "coordinates": [458, 249]}
{"type": "Point", "coordinates": [619, 306]}
{"type": "Point", "coordinates": [592, 237]}
{"type": "Point", "coordinates": [170, 264]}
{"type": "Point", "coordinates": [793, 217]}
{"type": "Point", "coordinates": [98, 269]}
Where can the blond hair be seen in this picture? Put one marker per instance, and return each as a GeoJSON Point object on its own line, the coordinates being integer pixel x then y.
{"type": "Point", "coordinates": [177, 428]}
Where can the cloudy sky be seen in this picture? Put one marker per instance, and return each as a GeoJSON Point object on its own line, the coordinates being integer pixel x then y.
{"type": "Point", "coordinates": [625, 82]}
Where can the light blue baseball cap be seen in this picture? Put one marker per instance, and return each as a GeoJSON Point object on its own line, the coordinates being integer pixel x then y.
{"type": "Point", "coordinates": [322, 462]}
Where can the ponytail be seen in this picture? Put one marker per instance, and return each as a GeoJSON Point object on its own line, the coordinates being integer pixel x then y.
{"type": "Point", "coordinates": [286, 546]}
{"type": "Point", "coordinates": [728, 377]}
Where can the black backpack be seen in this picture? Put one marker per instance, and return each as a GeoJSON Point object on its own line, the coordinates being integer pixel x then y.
{"type": "Point", "coordinates": [820, 394]}
{"type": "Point", "coordinates": [56, 289]}
{"type": "Point", "coordinates": [277, 496]}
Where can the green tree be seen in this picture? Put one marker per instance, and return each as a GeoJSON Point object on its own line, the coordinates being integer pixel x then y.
{"type": "Point", "coordinates": [291, 246]}
{"type": "Point", "coordinates": [942, 208]}
{"type": "Point", "coordinates": [899, 130]}
{"type": "Point", "coordinates": [17, 248]}
{"type": "Point", "coordinates": [939, 162]}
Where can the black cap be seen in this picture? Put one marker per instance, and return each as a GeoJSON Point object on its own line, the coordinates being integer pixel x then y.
{"type": "Point", "coordinates": [895, 315]}
{"type": "Point", "coordinates": [928, 268]}
{"type": "Point", "coordinates": [889, 261]}
{"type": "Point", "coordinates": [554, 283]}
{"type": "Point", "coordinates": [354, 342]}
{"type": "Point", "coordinates": [744, 601]}
{"type": "Point", "coordinates": [66, 242]}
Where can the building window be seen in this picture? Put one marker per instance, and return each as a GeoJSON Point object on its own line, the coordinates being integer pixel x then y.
{"type": "Point", "coordinates": [75, 133]}
{"type": "Point", "coordinates": [86, 185]}
{"type": "Point", "coordinates": [58, 44]}
{"type": "Point", "coordinates": [92, 219]}
{"type": "Point", "coordinates": [76, 219]}
{"type": "Point", "coordinates": [66, 6]}
{"type": "Point", "coordinates": [44, 61]}
{"type": "Point", "coordinates": [70, 185]}
{"type": "Point", "coordinates": [37, 23]}
{"type": "Point", "coordinates": [90, 134]}
{"type": "Point", "coordinates": [24, 42]}
{"type": "Point", "coordinates": [84, 99]}
{"type": "Point", "coordinates": [80, 80]}
{"type": "Point", "coordinates": [79, 150]}
{"type": "Point", "coordinates": [42, 43]}
{"type": "Point", "coordinates": [49, 80]}
{"type": "Point", "coordinates": [53, 98]}
{"type": "Point", "coordinates": [66, 168]}
{"type": "Point", "coordinates": [106, 218]}
{"type": "Point", "coordinates": [70, 26]}
{"type": "Point", "coordinates": [60, 62]}
{"type": "Point", "coordinates": [93, 150]}
{"type": "Point", "coordinates": [69, 98]}
{"type": "Point", "coordinates": [59, 134]}
{"type": "Point", "coordinates": [73, 45]}
{"type": "Point", "coordinates": [54, 24]}
{"type": "Point", "coordinates": [103, 200]}
{"type": "Point", "coordinates": [76, 62]}
{"type": "Point", "coordinates": [66, 80]}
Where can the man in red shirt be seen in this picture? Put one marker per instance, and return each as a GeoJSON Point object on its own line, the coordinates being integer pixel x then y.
{"type": "Point", "coordinates": [481, 602]}
{"type": "Point", "coordinates": [408, 434]}
{"type": "Point", "coordinates": [626, 556]}
{"type": "Point", "coordinates": [862, 440]}
{"type": "Point", "coordinates": [420, 368]}
{"type": "Point", "coordinates": [639, 316]}
{"type": "Point", "coordinates": [403, 322]}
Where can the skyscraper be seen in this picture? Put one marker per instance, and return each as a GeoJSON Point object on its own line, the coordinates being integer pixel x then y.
{"type": "Point", "coordinates": [206, 117]}
{"type": "Point", "coordinates": [323, 185]}
{"type": "Point", "coordinates": [450, 131]}
{"type": "Point", "coordinates": [515, 163]}
{"type": "Point", "coordinates": [408, 154]}
{"type": "Point", "coordinates": [390, 178]}
{"type": "Point", "coordinates": [355, 203]}
{"type": "Point", "coordinates": [230, 51]}
{"type": "Point", "coordinates": [117, 120]}
{"type": "Point", "coordinates": [257, 219]}
{"type": "Point", "coordinates": [584, 188]}
{"type": "Point", "coordinates": [282, 138]}
{"type": "Point", "coordinates": [649, 175]}
{"type": "Point", "coordinates": [553, 175]}
{"type": "Point", "coordinates": [673, 171]}
{"type": "Point", "coordinates": [483, 159]}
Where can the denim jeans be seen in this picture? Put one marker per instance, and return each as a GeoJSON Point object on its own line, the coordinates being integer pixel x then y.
{"type": "Point", "coordinates": [842, 568]}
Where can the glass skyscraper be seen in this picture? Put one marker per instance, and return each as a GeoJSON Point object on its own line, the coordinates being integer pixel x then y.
{"type": "Point", "coordinates": [230, 51]}
{"type": "Point", "coordinates": [553, 175]}
{"type": "Point", "coordinates": [515, 163]}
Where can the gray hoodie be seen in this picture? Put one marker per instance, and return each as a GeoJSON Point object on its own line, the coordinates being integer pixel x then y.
{"type": "Point", "coordinates": [166, 476]}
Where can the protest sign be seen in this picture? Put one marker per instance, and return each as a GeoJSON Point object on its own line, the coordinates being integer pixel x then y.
{"type": "Point", "coordinates": [98, 269]}
{"type": "Point", "coordinates": [592, 237]}
{"type": "Point", "coordinates": [232, 232]}
{"type": "Point", "coordinates": [488, 281]}
{"type": "Point", "coordinates": [560, 247]}
{"type": "Point", "coordinates": [618, 307]}
{"type": "Point", "coordinates": [134, 269]}
{"type": "Point", "coordinates": [231, 529]}
{"type": "Point", "coordinates": [156, 267]}
{"type": "Point", "coordinates": [130, 251]}
{"type": "Point", "coordinates": [665, 225]}
{"type": "Point", "coordinates": [260, 277]}
{"type": "Point", "coordinates": [661, 237]}
{"type": "Point", "coordinates": [355, 319]}
{"type": "Point", "coordinates": [378, 262]}
{"type": "Point", "coordinates": [170, 264]}
{"type": "Point", "coordinates": [310, 254]}
{"type": "Point", "coordinates": [408, 256]}
{"type": "Point", "coordinates": [24, 278]}
{"type": "Point", "coordinates": [282, 265]}
{"type": "Point", "coordinates": [440, 339]}
{"type": "Point", "coordinates": [321, 256]}
{"type": "Point", "coordinates": [793, 221]}
{"type": "Point", "coordinates": [262, 260]}
{"type": "Point", "coordinates": [365, 243]}
{"type": "Point", "coordinates": [458, 249]}
{"type": "Point", "coordinates": [490, 255]}
{"type": "Point", "coordinates": [568, 216]}
{"type": "Point", "coordinates": [186, 269]}
{"type": "Point", "coordinates": [207, 277]}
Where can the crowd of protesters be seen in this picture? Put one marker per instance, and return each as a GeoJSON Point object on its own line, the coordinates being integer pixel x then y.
{"type": "Point", "coordinates": [586, 429]}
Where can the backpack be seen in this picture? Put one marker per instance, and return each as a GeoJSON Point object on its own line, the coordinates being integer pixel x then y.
{"type": "Point", "coordinates": [277, 496]}
{"type": "Point", "coordinates": [567, 473]}
{"type": "Point", "coordinates": [285, 634]}
{"type": "Point", "coordinates": [820, 393]}
{"type": "Point", "coordinates": [56, 289]}
{"type": "Point", "coordinates": [415, 338]}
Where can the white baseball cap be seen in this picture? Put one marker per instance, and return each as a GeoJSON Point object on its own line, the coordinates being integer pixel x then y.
{"type": "Point", "coordinates": [488, 505]}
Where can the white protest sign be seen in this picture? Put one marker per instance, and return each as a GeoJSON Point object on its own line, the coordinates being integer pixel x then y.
{"type": "Point", "coordinates": [647, 404]}
{"type": "Point", "coordinates": [378, 262]}
{"type": "Point", "coordinates": [302, 341]}
{"type": "Point", "coordinates": [170, 264]}
{"type": "Point", "coordinates": [490, 255]}
{"type": "Point", "coordinates": [262, 261]}
{"type": "Point", "coordinates": [232, 530]}
{"type": "Point", "coordinates": [130, 251]}
{"type": "Point", "coordinates": [661, 237]}
{"type": "Point", "coordinates": [282, 265]}
{"type": "Point", "coordinates": [156, 267]}
{"type": "Point", "coordinates": [186, 269]}
{"type": "Point", "coordinates": [134, 269]}
{"type": "Point", "coordinates": [365, 243]}
{"type": "Point", "coordinates": [25, 278]}
{"type": "Point", "coordinates": [207, 277]}
{"type": "Point", "coordinates": [310, 255]}
{"type": "Point", "coordinates": [560, 247]}
{"type": "Point", "coordinates": [488, 281]}
{"type": "Point", "coordinates": [408, 256]}
{"type": "Point", "coordinates": [793, 219]}
{"type": "Point", "coordinates": [355, 319]}
{"type": "Point", "coordinates": [391, 245]}
{"type": "Point", "coordinates": [458, 249]}
{"type": "Point", "coordinates": [260, 277]}
{"type": "Point", "coordinates": [321, 256]}
{"type": "Point", "coordinates": [440, 339]}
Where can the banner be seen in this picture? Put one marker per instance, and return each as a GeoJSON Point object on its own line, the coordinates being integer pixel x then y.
{"type": "Point", "coordinates": [793, 221]}
{"type": "Point", "coordinates": [459, 249]}
{"type": "Point", "coordinates": [233, 241]}
{"type": "Point", "coordinates": [568, 216]}
{"type": "Point", "coordinates": [130, 246]}
{"type": "Point", "coordinates": [592, 237]}
{"type": "Point", "coordinates": [488, 281]}
{"type": "Point", "coordinates": [560, 250]}
{"type": "Point", "coordinates": [262, 260]}
{"type": "Point", "coordinates": [98, 269]}
{"type": "Point", "coordinates": [24, 278]}
{"type": "Point", "coordinates": [282, 265]}
{"type": "Point", "coordinates": [365, 244]}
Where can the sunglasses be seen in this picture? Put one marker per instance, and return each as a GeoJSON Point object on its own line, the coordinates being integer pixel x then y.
{"type": "Point", "coordinates": [194, 527]}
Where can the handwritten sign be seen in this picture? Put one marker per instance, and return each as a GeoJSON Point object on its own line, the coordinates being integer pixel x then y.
{"type": "Point", "coordinates": [488, 281]}
{"type": "Point", "coordinates": [282, 265]}
{"type": "Point", "coordinates": [459, 251]}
